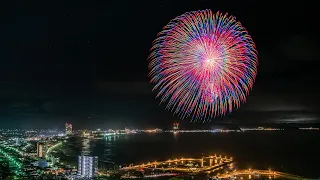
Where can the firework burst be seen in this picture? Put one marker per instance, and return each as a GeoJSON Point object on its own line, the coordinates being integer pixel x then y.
{"type": "Point", "coordinates": [203, 64]}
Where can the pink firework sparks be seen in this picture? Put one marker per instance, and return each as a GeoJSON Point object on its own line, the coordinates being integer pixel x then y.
{"type": "Point", "coordinates": [203, 64]}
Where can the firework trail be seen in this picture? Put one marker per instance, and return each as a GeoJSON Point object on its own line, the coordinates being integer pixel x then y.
{"type": "Point", "coordinates": [203, 64]}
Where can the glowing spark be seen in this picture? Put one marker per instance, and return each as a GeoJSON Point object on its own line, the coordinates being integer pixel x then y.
{"type": "Point", "coordinates": [203, 64]}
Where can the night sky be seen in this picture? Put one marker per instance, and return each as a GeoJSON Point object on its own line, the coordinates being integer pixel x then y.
{"type": "Point", "coordinates": [85, 62]}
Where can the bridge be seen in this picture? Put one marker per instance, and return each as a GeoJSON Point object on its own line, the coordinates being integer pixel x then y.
{"type": "Point", "coordinates": [197, 165]}
{"type": "Point", "coordinates": [253, 173]}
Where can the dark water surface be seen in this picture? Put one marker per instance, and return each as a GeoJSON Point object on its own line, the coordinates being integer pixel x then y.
{"type": "Point", "coordinates": [292, 152]}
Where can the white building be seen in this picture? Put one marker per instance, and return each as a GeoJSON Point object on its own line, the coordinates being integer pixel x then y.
{"type": "Point", "coordinates": [87, 166]}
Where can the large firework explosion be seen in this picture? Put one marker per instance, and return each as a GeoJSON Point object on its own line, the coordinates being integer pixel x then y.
{"type": "Point", "coordinates": [203, 64]}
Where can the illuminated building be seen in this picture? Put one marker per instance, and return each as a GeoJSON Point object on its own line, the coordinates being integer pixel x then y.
{"type": "Point", "coordinates": [40, 150]}
{"type": "Point", "coordinates": [68, 128]}
{"type": "Point", "coordinates": [175, 125]}
{"type": "Point", "coordinates": [18, 142]}
{"type": "Point", "coordinates": [153, 130]}
{"type": "Point", "coordinates": [87, 166]}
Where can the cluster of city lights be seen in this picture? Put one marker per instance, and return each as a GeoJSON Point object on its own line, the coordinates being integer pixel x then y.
{"type": "Point", "coordinates": [160, 175]}
{"type": "Point", "coordinates": [24, 159]}
{"type": "Point", "coordinates": [152, 130]}
{"type": "Point", "coordinates": [50, 149]}
{"type": "Point", "coordinates": [256, 172]}
{"type": "Point", "coordinates": [13, 161]}
{"type": "Point", "coordinates": [261, 129]}
{"type": "Point", "coordinates": [10, 148]}
{"type": "Point", "coordinates": [203, 131]}
{"type": "Point", "coordinates": [215, 162]}
{"type": "Point", "coordinates": [310, 128]}
{"type": "Point", "coordinates": [28, 145]}
{"type": "Point", "coordinates": [114, 134]}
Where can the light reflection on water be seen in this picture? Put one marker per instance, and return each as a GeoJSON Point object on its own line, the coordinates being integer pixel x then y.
{"type": "Point", "coordinates": [105, 147]}
{"type": "Point", "coordinates": [283, 151]}
{"type": "Point", "coordinates": [108, 146]}
{"type": "Point", "coordinates": [86, 150]}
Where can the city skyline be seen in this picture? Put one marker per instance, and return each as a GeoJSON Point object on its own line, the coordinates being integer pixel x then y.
{"type": "Point", "coordinates": [40, 154]}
